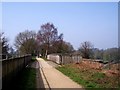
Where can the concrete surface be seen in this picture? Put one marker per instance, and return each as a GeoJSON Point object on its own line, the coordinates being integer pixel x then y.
{"type": "Point", "coordinates": [53, 78]}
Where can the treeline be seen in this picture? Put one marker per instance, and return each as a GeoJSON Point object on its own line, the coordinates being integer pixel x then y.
{"type": "Point", "coordinates": [110, 54]}
{"type": "Point", "coordinates": [47, 41]}
{"type": "Point", "coordinates": [87, 50]}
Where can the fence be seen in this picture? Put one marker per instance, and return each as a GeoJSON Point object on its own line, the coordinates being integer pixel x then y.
{"type": "Point", "coordinates": [64, 59]}
{"type": "Point", "coordinates": [55, 58]}
{"type": "Point", "coordinates": [11, 67]}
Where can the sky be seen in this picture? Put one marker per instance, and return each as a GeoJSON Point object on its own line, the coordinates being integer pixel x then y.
{"type": "Point", "coordinates": [96, 22]}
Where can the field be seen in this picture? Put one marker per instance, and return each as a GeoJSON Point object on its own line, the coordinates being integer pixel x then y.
{"type": "Point", "coordinates": [92, 75]}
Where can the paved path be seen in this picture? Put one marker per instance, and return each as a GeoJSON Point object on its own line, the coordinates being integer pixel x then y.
{"type": "Point", "coordinates": [54, 78]}
{"type": "Point", "coordinates": [53, 64]}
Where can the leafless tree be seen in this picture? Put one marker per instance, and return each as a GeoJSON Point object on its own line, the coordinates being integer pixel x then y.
{"type": "Point", "coordinates": [85, 49]}
{"type": "Point", "coordinates": [26, 42]}
{"type": "Point", "coordinates": [47, 36]}
{"type": "Point", "coordinates": [4, 46]}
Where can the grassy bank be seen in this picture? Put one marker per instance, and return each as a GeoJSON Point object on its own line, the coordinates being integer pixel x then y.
{"type": "Point", "coordinates": [26, 80]}
{"type": "Point", "coordinates": [89, 78]}
{"type": "Point", "coordinates": [45, 58]}
{"type": "Point", "coordinates": [33, 58]}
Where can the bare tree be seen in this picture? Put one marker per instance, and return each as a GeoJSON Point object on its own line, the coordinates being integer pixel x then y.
{"type": "Point", "coordinates": [26, 42]}
{"type": "Point", "coordinates": [4, 46]}
{"type": "Point", "coordinates": [62, 47]}
{"type": "Point", "coordinates": [86, 49]}
{"type": "Point", "coordinates": [47, 36]}
{"type": "Point", "coordinates": [67, 47]}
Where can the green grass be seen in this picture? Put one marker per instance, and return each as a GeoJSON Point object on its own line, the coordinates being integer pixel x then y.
{"type": "Point", "coordinates": [33, 58]}
{"type": "Point", "coordinates": [98, 75]}
{"type": "Point", "coordinates": [26, 80]}
{"type": "Point", "coordinates": [88, 78]}
{"type": "Point", "coordinates": [44, 58]}
{"type": "Point", "coordinates": [72, 73]}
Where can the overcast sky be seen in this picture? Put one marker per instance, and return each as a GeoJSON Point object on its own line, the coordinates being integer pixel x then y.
{"type": "Point", "coordinates": [89, 21]}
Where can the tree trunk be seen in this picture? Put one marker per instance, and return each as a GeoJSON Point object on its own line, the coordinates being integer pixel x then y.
{"type": "Point", "coordinates": [46, 54]}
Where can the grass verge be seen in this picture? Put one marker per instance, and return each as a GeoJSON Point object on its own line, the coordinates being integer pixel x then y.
{"type": "Point", "coordinates": [45, 59]}
{"type": "Point", "coordinates": [33, 58]}
{"type": "Point", "coordinates": [26, 80]}
{"type": "Point", "coordinates": [89, 78]}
